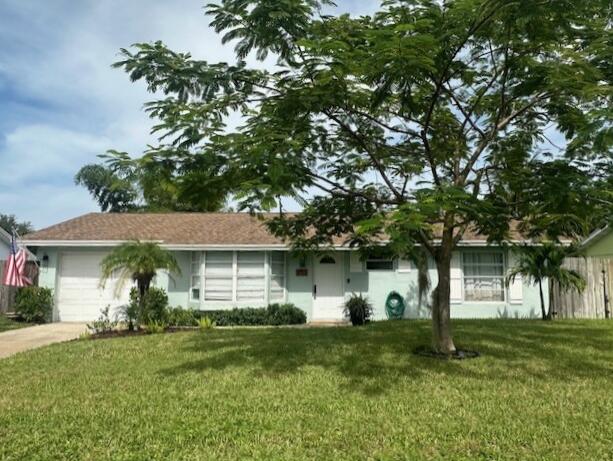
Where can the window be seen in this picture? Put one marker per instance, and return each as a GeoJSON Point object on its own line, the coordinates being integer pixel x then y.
{"type": "Point", "coordinates": [483, 276]}
{"type": "Point", "coordinates": [240, 276]}
{"type": "Point", "coordinates": [327, 260]}
{"type": "Point", "coordinates": [379, 264]}
{"type": "Point", "coordinates": [277, 276]}
{"type": "Point", "coordinates": [251, 275]}
{"type": "Point", "coordinates": [195, 276]}
{"type": "Point", "coordinates": [218, 276]}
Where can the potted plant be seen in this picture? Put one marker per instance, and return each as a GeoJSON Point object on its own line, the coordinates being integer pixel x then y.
{"type": "Point", "coordinates": [358, 309]}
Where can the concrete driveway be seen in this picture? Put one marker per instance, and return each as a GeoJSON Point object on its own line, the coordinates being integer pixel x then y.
{"type": "Point", "coordinates": [23, 339]}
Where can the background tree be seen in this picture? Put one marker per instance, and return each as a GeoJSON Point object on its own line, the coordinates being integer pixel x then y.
{"type": "Point", "coordinates": [113, 192]}
{"type": "Point", "coordinates": [543, 264]}
{"type": "Point", "coordinates": [9, 222]}
{"type": "Point", "coordinates": [413, 125]}
{"type": "Point", "coordinates": [154, 183]}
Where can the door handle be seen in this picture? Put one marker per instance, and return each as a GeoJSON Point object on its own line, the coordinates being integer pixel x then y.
{"type": "Point", "coordinates": [314, 291]}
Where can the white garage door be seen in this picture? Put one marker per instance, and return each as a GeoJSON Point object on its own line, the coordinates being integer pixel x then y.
{"type": "Point", "coordinates": [80, 298]}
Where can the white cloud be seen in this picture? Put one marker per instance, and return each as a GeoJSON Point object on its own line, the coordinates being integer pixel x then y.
{"type": "Point", "coordinates": [70, 104]}
{"type": "Point", "coordinates": [39, 153]}
{"type": "Point", "coordinates": [45, 204]}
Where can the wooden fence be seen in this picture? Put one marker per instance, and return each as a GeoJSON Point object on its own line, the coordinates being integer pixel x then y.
{"type": "Point", "coordinates": [598, 273]}
{"type": "Point", "coordinates": [7, 294]}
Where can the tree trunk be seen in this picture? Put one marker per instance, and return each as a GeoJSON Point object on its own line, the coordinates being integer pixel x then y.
{"type": "Point", "coordinates": [442, 339]}
{"type": "Point", "coordinates": [552, 311]}
{"type": "Point", "coordinates": [543, 312]}
{"type": "Point", "coordinates": [143, 285]}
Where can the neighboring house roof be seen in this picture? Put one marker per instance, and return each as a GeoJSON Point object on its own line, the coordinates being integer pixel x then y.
{"type": "Point", "coordinates": [174, 230]}
{"type": "Point", "coordinates": [599, 242]}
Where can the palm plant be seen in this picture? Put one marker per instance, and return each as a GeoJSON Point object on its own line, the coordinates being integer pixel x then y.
{"type": "Point", "coordinates": [544, 262]}
{"type": "Point", "coordinates": [138, 261]}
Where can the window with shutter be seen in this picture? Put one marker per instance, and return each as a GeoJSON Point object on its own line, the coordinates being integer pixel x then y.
{"type": "Point", "coordinates": [251, 276]}
{"type": "Point", "coordinates": [218, 276]}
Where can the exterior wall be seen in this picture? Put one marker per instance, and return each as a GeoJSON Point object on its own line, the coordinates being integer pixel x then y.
{"type": "Point", "coordinates": [300, 287]}
{"type": "Point", "coordinates": [602, 247]}
{"type": "Point", "coordinates": [177, 285]}
{"type": "Point", "coordinates": [376, 285]}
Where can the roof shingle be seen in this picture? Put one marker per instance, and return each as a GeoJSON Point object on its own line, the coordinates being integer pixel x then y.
{"type": "Point", "coordinates": [172, 229]}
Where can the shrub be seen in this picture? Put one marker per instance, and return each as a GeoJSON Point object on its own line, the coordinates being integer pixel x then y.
{"type": "Point", "coordinates": [205, 323]}
{"type": "Point", "coordinates": [103, 324]}
{"type": "Point", "coordinates": [34, 304]}
{"type": "Point", "coordinates": [154, 306]}
{"type": "Point", "coordinates": [358, 309]}
{"type": "Point", "coordinates": [179, 317]}
{"type": "Point", "coordinates": [155, 327]}
{"type": "Point", "coordinates": [285, 314]}
{"type": "Point", "coordinates": [274, 314]}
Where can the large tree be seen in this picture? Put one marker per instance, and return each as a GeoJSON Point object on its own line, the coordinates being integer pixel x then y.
{"type": "Point", "coordinates": [409, 126]}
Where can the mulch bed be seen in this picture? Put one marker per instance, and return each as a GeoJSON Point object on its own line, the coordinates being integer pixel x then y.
{"type": "Point", "coordinates": [122, 333]}
{"type": "Point", "coordinates": [459, 354]}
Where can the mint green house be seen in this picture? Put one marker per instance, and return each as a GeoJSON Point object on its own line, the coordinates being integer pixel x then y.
{"type": "Point", "coordinates": [230, 260]}
{"type": "Point", "coordinates": [600, 243]}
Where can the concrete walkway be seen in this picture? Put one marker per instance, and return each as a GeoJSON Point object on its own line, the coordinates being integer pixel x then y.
{"type": "Point", "coordinates": [24, 339]}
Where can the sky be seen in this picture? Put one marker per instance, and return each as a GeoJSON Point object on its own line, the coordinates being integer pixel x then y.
{"type": "Point", "coordinates": [61, 103]}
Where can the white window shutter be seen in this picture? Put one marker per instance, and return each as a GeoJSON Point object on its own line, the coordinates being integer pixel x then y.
{"type": "Point", "coordinates": [455, 276]}
{"type": "Point", "coordinates": [404, 265]}
{"type": "Point", "coordinates": [516, 287]}
{"type": "Point", "coordinates": [355, 263]}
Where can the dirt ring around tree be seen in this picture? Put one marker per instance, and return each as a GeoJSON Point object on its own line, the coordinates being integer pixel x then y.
{"type": "Point", "coordinates": [459, 354]}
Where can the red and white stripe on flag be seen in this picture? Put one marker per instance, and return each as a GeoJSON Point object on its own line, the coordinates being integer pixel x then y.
{"type": "Point", "coordinates": [14, 270]}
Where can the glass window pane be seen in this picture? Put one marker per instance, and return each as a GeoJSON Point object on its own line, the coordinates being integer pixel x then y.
{"type": "Point", "coordinates": [195, 275]}
{"type": "Point", "coordinates": [277, 276]}
{"type": "Point", "coordinates": [483, 276]}
{"type": "Point", "coordinates": [379, 264]}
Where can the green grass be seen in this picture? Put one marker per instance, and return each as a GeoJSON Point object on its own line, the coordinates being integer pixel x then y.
{"type": "Point", "coordinates": [7, 324]}
{"type": "Point", "coordinates": [540, 391]}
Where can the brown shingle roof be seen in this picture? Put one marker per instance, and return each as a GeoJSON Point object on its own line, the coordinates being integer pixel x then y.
{"type": "Point", "coordinates": [170, 229]}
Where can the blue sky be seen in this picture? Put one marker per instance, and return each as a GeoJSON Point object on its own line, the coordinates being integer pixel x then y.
{"type": "Point", "coordinates": [62, 104]}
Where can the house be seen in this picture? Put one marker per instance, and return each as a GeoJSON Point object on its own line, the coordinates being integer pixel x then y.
{"type": "Point", "coordinates": [5, 244]}
{"type": "Point", "coordinates": [231, 260]}
{"type": "Point", "coordinates": [599, 243]}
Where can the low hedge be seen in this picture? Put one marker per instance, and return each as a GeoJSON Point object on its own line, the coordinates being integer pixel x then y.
{"type": "Point", "coordinates": [274, 314]}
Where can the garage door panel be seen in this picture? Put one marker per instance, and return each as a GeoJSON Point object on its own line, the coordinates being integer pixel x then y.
{"type": "Point", "coordinates": [80, 296]}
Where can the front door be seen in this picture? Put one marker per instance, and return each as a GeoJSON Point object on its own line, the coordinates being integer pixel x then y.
{"type": "Point", "coordinates": [328, 297]}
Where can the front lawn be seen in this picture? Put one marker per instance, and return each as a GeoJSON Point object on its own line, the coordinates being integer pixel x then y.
{"type": "Point", "coordinates": [8, 324]}
{"type": "Point", "coordinates": [540, 391]}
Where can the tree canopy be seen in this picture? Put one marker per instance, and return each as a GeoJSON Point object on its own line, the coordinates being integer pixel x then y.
{"type": "Point", "coordinates": [8, 222]}
{"type": "Point", "coordinates": [122, 184]}
{"type": "Point", "coordinates": [417, 123]}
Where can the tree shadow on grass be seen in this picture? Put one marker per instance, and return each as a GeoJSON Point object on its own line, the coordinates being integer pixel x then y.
{"type": "Point", "coordinates": [372, 359]}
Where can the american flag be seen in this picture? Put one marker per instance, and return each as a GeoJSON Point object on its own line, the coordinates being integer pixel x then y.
{"type": "Point", "coordinates": [14, 268]}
